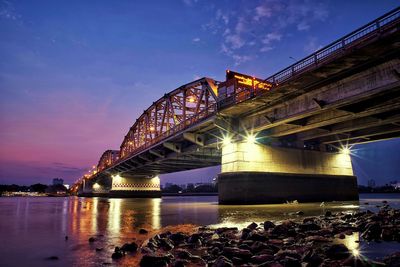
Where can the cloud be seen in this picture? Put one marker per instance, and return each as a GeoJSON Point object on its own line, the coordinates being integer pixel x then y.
{"type": "Point", "coordinates": [262, 11]}
{"type": "Point", "coordinates": [7, 11]}
{"type": "Point", "coordinates": [266, 48]}
{"type": "Point", "coordinates": [303, 26]}
{"type": "Point", "coordinates": [189, 2]}
{"type": "Point", "coordinates": [257, 27]}
{"type": "Point", "coordinates": [272, 36]}
{"type": "Point", "coordinates": [312, 45]}
{"type": "Point", "coordinates": [195, 40]}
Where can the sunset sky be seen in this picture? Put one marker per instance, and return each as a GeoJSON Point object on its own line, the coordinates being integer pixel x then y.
{"type": "Point", "coordinates": [75, 75]}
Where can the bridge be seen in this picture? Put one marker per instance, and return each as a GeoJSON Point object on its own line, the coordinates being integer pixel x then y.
{"type": "Point", "coordinates": [282, 138]}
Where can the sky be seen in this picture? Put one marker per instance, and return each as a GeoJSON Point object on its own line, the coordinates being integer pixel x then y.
{"type": "Point", "coordinates": [75, 75]}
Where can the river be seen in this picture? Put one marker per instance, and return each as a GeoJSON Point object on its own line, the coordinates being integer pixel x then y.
{"type": "Point", "coordinates": [33, 229]}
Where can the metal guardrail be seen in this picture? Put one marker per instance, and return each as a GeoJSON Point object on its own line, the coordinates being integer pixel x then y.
{"type": "Point", "coordinates": [331, 50]}
{"type": "Point", "coordinates": [322, 56]}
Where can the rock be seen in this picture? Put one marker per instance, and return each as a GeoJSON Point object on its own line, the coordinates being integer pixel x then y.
{"type": "Point", "coordinates": [328, 213]}
{"type": "Point", "coordinates": [288, 253]}
{"type": "Point", "coordinates": [222, 262]}
{"type": "Point", "coordinates": [52, 258]}
{"type": "Point", "coordinates": [194, 238]}
{"type": "Point", "coordinates": [252, 226]}
{"type": "Point", "coordinates": [66, 238]}
{"type": "Point", "coordinates": [257, 237]}
{"type": "Point", "coordinates": [143, 231]}
{"type": "Point", "coordinates": [245, 233]}
{"type": "Point", "coordinates": [317, 238]}
{"type": "Point", "coordinates": [92, 239]}
{"type": "Point", "coordinates": [312, 258]}
{"type": "Point", "coordinates": [117, 255]}
{"type": "Point", "coordinates": [155, 261]}
{"type": "Point", "coordinates": [178, 238]}
{"type": "Point", "coordinates": [215, 251]}
{"type": "Point", "coordinates": [166, 244]}
{"type": "Point", "coordinates": [198, 260]}
{"type": "Point", "coordinates": [129, 247]}
{"type": "Point", "coordinates": [373, 231]}
{"type": "Point", "coordinates": [243, 254]}
{"type": "Point", "coordinates": [387, 234]}
{"type": "Point", "coordinates": [261, 258]}
{"type": "Point", "coordinates": [181, 263]}
{"type": "Point", "coordinates": [392, 260]}
{"type": "Point", "coordinates": [183, 254]}
{"type": "Point", "coordinates": [99, 249]}
{"type": "Point", "coordinates": [309, 227]}
{"type": "Point", "coordinates": [146, 250]}
{"type": "Point", "coordinates": [300, 212]}
{"type": "Point", "coordinates": [291, 262]}
{"type": "Point", "coordinates": [337, 252]}
{"type": "Point", "coordinates": [268, 225]}
{"type": "Point", "coordinates": [280, 230]}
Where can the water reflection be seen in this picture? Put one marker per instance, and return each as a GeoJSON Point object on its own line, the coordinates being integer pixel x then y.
{"type": "Point", "coordinates": [39, 225]}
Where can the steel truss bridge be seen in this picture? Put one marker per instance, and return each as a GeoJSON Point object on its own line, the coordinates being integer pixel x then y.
{"type": "Point", "coordinates": [325, 100]}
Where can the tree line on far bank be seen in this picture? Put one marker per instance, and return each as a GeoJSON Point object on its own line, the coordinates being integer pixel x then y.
{"type": "Point", "coordinates": [191, 188]}
{"type": "Point", "coordinates": [39, 188]}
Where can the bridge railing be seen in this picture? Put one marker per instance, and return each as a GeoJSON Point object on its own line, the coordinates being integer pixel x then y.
{"type": "Point", "coordinates": [337, 47]}
{"type": "Point", "coordinates": [324, 55]}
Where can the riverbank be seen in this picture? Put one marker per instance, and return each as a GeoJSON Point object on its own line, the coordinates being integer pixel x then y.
{"type": "Point", "coordinates": [331, 239]}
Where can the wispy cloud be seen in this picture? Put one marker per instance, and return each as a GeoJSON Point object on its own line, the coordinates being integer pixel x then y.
{"type": "Point", "coordinates": [7, 11]}
{"type": "Point", "coordinates": [196, 40]}
{"type": "Point", "coordinates": [260, 26]}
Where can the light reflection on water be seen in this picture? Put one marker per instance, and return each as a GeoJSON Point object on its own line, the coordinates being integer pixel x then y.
{"type": "Point", "coordinates": [36, 227]}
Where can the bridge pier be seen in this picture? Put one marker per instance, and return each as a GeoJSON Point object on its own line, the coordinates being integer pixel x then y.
{"type": "Point", "coordinates": [253, 173]}
{"type": "Point", "coordinates": [131, 186]}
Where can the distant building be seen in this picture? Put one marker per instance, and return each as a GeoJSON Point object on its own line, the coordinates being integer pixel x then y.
{"type": "Point", "coordinates": [58, 181]}
{"type": "Point", "coordinates": [395, 184]}
{"type": "Point", "coordinates": [371, 183]}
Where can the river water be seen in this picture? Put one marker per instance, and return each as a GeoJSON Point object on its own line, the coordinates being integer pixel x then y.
{"type": "Point", "coordinates": [33, 229]}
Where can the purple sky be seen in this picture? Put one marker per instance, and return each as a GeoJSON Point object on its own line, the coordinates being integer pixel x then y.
{"type": "Point", "coordinates": [74, 76]}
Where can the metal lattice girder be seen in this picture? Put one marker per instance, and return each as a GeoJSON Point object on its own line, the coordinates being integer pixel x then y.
{"type": "Point", "coordinates": [175, 111]}
{"type": "Point", "coordinates": [107, 159]}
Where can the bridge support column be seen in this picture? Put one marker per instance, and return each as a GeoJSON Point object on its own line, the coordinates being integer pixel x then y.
{"type": "Point", "coordinates": [253, 173]}
{"type": "Point", "coordinates": [130, 186]}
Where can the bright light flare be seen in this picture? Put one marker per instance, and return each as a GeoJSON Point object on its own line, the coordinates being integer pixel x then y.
{"type": "Point", "coordinates": [345, 151]}
{"type": "Point", "coordinates": [251, 139]}
{"type": "Point", "coordinates": [227, 140]}
{"type": "Point", "coordinates": [96, 186]}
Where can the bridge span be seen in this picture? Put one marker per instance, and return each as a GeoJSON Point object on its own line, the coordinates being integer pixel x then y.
{"type": "Point", "coordinates": [282, 138]}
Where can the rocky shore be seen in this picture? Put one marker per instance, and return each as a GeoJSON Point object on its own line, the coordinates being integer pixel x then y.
{"type": "Point", "coordinates": [311, 241]}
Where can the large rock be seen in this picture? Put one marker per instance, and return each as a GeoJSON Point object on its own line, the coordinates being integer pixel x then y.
{"type": "Point", "coordinates": [337, 252]}
{"type": "Point", "coordinates": [155, 261]}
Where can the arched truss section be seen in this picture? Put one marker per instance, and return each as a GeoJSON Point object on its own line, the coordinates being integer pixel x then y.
{"type": "Point", "coordinates": [107, 159]}
{"type": "Point", "coordinates": [175, 111]}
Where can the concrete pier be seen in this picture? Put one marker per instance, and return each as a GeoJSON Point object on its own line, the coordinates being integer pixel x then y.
{"type": "Point", "coordinates": [253, 173]}
{"type": "Point", "coordinates": [130, 186]}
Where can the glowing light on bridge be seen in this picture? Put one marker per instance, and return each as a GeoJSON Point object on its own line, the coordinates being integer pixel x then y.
{"type": "Point", "coordinates": [96, 186]}
{"type": "Point", "coordinates": [226, 140]}
{"type": "Point", "coordinates": [345, 151]}
{"type": "Point", "coordinates": [251, 139]}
